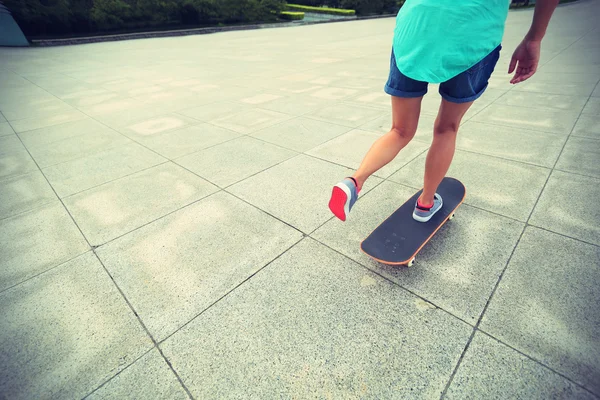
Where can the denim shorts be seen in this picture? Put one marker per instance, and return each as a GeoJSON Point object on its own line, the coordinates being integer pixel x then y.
{"type": "Point", "coordinates": [464, 87]}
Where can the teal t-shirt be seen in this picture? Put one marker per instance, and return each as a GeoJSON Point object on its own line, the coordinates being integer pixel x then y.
{"type": "Point", "coordinates": [435, 40]}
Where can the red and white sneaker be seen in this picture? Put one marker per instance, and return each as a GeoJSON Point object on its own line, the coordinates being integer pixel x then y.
{"type": "Point", "coordinates": [343, 197]}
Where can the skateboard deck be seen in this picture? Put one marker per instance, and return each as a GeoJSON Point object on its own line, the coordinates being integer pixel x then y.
{"type": "Point", "coordinates": [399, 238]}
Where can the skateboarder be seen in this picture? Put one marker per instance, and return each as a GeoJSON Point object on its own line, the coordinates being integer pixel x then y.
{"type": "Point", "coordinates": [455, 43]}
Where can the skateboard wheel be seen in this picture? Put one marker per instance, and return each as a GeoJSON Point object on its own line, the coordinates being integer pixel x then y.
{"type": "Point", "coordinates": [451, 217]}
{"type": "Point", "coordinates": [411, 263]}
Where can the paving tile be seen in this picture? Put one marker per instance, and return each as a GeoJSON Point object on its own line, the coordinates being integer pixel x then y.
{"type": "Point", "coordinates": [563, 88]}
{"type": "Point", "coordinates": [581, 156]}
{"type": "Point", "coordinates": [28, 124]}
{"type": "Point", "coordinates": [72, 90]}
{"type": "Point", "coordinates": [492, 370]}
{"type": "Point", "coordinates": [489, 96]}
{"type": "Point", "coordinates": [76, 147]}
{"type": "Point", "coordinates": [19, 88]}
{"type": "Point", "coordinates": [347, 114]}
{"type": "Point", "coordinates": [10, 144]}
{"type": "Point", "coordinates": [543, 100]}
{"type": "Point", "coordinates": [233, 161]}
{"type": "Point", "coordinates": [545, 305]}
{"type": "Point", "coordinates": [558, 87]}
{"type": "Point", "coordinates": [377, 98]}
{"type": "Point", "coordinates": [296, 191]}
{"type": "Point", "coordinates": [300, 134]}
{"type": "Point", "coordinates": [36, 241]}
{"type": "Point", "coordinates": [55, 133]}
{"type": "Point", "coordinates": [294, 88]}
{"type": "Point", "coordinates": [24, 97]}
{"type": "Point", "coordinates": [528, 118]}
{"type": "Point", "coordinates": [88, 97]}
{"type": "Point", "coordinates": [350, 148]}
{"type": "Point", "coordinates": [458, 268]}
{"type": "Point", "coordinates": [221, 109]}
{"type": "Point", "coordinates": [539, 148]}
{"type": "Point", "coordinates": [174, 268]}
{"type": "Point", "coordinates": [564, 206]}
{"type": "Point", "coordinates": [115, 208]}
{"type": "Point", "coordinates": [136, 89]}
{"type": "Point", "coordinates": [44, 80]}
{"type": "Point", "coordinates": [119, 105]}
{"type": "Point", "coordinates": [121, 119]}
{"type": "Point", "coordinates": [336, 345]}
{"type": "Point", "coordinates": [501, 186]}
{"type": "Point", "coordinates": [260, 98]}
{"type": "Point", "coordinates": [130, 87]}
{"type": "Point", "coordinates": [296, 105]}
{"type": "Point", "coordinates": [297, 77]}
{"type": "Point", "coordinates": [250, 121]}
{"type": "Point", "coordinates": [381, 124]}
{"type": "Point", "coordinates": [590, 58]}
{"type": "Point", "coordinates": [148, 378]}
{"type": "Point", "coordinates": [35, 108]}
{"type": "Point", "coordinates": [500, 81]}
{"type": "Point", "coordinates": [179, 142]}
{"type": "Point", "coordinates": [202, 95]}
{"type": "Point", "coordinates": [143, 90]}
{"type": "Point", "coordinates": [14, 158]}
{"type": "Point", "coordinates": [587, 126]}
{"type": "Point", "coordinates": [23, 193]}
{"type": "Point", "coordinates": [235, 80]}
{"type": "Point", "coordinates": [332, 93]}
{"type": "Point", "coordinates": [5, 129]}
{"type": "Point", "coordinates": [183, 83]}
{"type": "Point", "coordinates": [592, 107]}
{"type": "Point", "coordinates": [65, 332]}
{"type": "Point", "coordinates": [431, 101]}
{"type": "Point", "coordinates": [84, 173]}
{"type": "Point", "coordinates": [149, 127]}
{"type": "Point", "coordinates": [562, 77]}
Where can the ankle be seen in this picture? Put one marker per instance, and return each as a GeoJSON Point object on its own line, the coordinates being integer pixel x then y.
{"type": "Point", "coordinates": [358, 181]}
{"type": "Point", "coordinates": [425, 201]}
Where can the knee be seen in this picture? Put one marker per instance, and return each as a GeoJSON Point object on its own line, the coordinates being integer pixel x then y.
{"type": "Point", "coordinates": [445, 128]}
{"type": "Point", "coordinates": [404, 132]}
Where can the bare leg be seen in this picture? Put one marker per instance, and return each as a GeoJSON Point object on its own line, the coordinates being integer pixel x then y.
{"type": "Point", "coordinates": [405, 118]}
{"type": "Point", "coordinates": [441, 151]}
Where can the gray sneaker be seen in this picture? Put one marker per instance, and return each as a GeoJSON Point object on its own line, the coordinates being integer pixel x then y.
{"type": "Point", "coordinates": [424, 213]}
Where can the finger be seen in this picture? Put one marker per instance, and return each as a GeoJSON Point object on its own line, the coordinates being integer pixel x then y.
{"type": "Point", "coordinates": [524, 76]}
{"type": "Point", "coordinates": [512, 65]}
{"type": "Point", "coordinates": [519, 74]}
{"type": "Point", "coordinates": [514, 78]}
{"type": "Point", "coordinates": [528, 75]}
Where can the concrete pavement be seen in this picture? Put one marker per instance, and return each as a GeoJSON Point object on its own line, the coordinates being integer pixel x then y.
{"type": "Point", "coordinates": [164, 230]}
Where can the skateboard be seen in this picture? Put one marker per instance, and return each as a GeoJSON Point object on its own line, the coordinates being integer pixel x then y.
{"type": "Point", "coordinates": [399, 238]}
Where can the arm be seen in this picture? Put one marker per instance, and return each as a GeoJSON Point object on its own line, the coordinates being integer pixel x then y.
{"type": "Point", "coordinates": [527, 55]}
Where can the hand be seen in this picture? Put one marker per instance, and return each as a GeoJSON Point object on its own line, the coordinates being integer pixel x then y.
{"type": "Point", "coordinates": [525, 58]}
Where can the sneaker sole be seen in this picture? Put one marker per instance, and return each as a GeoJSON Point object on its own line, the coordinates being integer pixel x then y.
{"type": "Point", "coordinates": [340, 201]}
{"type": "Point", "coordinates": [426, 219]}
{"type": "Point", "coordinates": [422, 219]}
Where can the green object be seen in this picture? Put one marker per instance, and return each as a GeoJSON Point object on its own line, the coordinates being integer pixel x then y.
{"type": "Point", "coordinates": [292, 16]}
{"type": "Point", "coordinates": [435, 40]}
{"type": "Point", "coordinates": [321, 10]}
{"type": "Point", "coordinates": [52, 18]}
{"type": "Point", "coordinates": [10, 33]}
